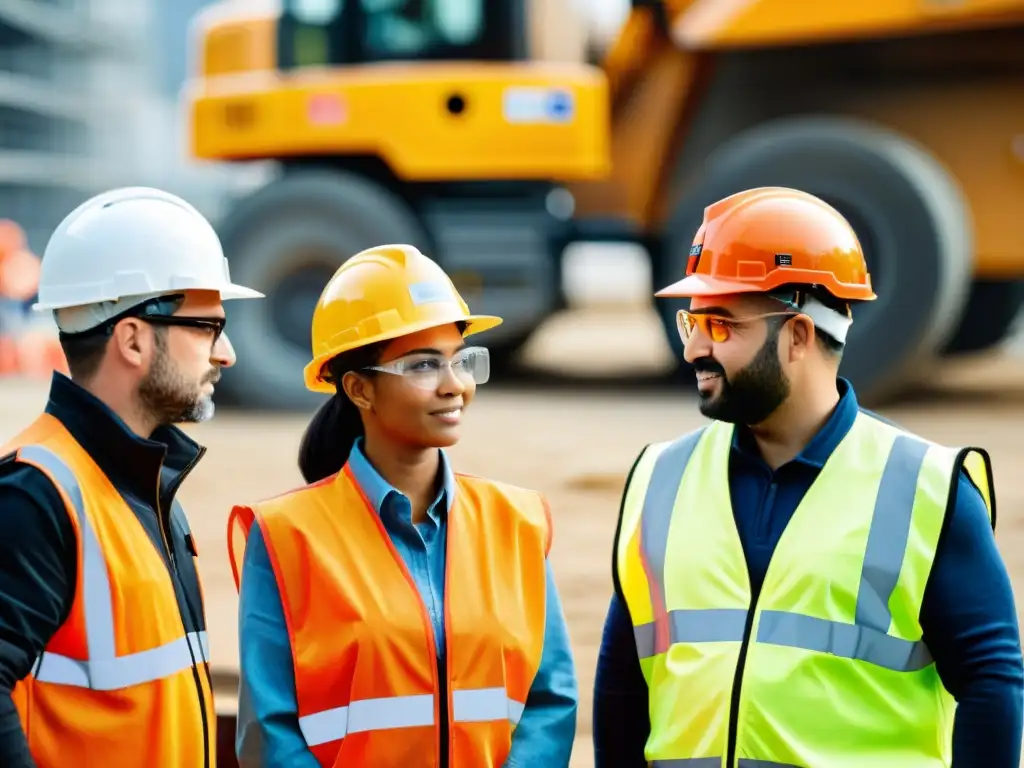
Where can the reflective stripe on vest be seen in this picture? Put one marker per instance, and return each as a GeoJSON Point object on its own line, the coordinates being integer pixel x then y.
{"type": "Point", "coordinates": [865, 640]}
{"type": "Point", "coordinates": [471, 706]}
{"type": "Point", "coordinates": [104, 670]}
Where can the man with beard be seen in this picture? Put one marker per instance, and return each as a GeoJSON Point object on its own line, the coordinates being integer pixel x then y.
{"type": "Point", "coordinates": [103, 648]}
{"type": "Point", "coordinates": [800, 584]}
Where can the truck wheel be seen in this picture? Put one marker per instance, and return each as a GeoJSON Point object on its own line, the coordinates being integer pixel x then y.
{"type": "Point", "coordinates": [286, 240]}
{"type": "Point", "coordinates": [991, 311]}
{"type": "Point", "coordinates": [907, 210]}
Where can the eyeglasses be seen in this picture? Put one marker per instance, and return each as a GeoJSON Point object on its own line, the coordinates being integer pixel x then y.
{"type": "Point", "coordinates": [472, 364]}
{"type": "Point", "coordinates": [214, 326]}
{"type": "Point", "coordinates": [716, 327]}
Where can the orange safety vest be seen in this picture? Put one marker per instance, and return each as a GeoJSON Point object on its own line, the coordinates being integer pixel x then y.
{"type": "Point", "coordinates": [366, 672]}
{"type": "Point", "coordinates": [118, 683]}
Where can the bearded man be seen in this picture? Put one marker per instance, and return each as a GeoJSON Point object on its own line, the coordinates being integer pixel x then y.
{"type": "Point", "coordinates": [799, 583]}
{"type": "Point", "coordinates": [103, 648]}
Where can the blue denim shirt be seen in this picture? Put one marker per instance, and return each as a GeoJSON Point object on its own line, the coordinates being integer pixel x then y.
{"type": "Point", "coordinates": [268, 730]}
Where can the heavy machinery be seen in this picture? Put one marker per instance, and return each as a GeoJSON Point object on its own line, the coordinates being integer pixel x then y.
{"type": "Point", "coordinates": [416, 121]}
{"type": "Point", "coordinates": [424, 121]}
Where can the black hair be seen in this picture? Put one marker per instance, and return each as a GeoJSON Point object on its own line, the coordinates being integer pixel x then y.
{"type": "Point", "coordinates": [84, 355]}
{"type": "Point", "coordinates": [336, 426]}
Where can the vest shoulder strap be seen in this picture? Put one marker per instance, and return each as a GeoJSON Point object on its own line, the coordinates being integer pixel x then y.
{"type": "Point", "coordinates": [531, 505]}
{"type": "Point", "coordinates": [242, 517]}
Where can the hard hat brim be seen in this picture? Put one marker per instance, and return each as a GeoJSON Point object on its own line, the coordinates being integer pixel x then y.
{"type": "Point", "coordinates": [703, 285]}
{"type": "Point", "coordinates": [227, 292]}
{"type": "Point", "coordinates": [474, 324]}
{"type": "Point", "coordinates": [233, 291]}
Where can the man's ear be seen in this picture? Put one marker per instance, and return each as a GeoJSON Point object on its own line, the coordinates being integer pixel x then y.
{"type": "Point", "coordinates": [801, 330]}
{"type": "Point", "coordinates": [359, 390]}
{"type": "Point", "coordinates": [131, 341]}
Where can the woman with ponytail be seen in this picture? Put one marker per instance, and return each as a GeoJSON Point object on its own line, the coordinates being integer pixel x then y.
{"type": "Point", "coordinates": [393, 612]}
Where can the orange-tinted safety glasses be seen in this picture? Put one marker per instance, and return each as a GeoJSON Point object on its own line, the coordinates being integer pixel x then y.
{"type": "Point", "coordinates": [718, 328]}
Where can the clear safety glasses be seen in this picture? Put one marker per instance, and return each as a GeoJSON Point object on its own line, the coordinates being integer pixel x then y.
{"type": "Point", "coordinates": [716, 327]}
{"type": "Point", "coordinates": [427, 371]}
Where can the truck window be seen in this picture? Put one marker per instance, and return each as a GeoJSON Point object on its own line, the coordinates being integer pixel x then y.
{"type": "Point", "coordinates": [422, 29]}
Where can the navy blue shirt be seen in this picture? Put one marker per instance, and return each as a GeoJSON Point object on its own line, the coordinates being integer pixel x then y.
{"type": "Point", "coordinates": [968, 616]}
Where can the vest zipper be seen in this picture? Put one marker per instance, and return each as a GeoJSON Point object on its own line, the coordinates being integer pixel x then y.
{"type": "Point", "coordinates": [737, 683]}
{"type": "Point", "coordinates": [164, 525]}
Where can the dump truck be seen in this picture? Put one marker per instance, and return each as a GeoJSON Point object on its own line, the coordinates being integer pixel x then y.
{"type": "Point", "coordinates": [429, 122]}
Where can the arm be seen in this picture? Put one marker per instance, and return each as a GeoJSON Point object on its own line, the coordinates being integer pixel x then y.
{"type": "Point", "coordinates": [547, 729]}
{"type": "Point", "coordinates": [268, 722]}
{"type": "Point", "coordinates": [38, 562]}
{"type": "Point", "coordinates": [621, 720]}
{"type": "Point", "coordinates": [970, 626]}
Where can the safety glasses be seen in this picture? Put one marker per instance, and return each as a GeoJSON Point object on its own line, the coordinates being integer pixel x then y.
{"type": "Point", "coordinates": [718, 328]}
{"type": "Point", "coordinates": [425, 371]}
{"type": "Point", "coordinates": [213, 326]}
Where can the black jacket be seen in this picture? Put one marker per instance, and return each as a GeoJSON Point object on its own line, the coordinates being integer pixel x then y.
{"type": "Point", "coordinates": [38, 552]}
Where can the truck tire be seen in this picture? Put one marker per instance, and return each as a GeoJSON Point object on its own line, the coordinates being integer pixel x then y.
{"type": "Point", "coordinates": [991, 314]}
{"type": "Point", "coordinates": [286, 240]}
{"type": "Point", "coordinates": [908, 211]}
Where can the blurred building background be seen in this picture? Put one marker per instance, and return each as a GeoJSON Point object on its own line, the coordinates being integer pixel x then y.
{"type": "Point", "coordinates": [72, 75]}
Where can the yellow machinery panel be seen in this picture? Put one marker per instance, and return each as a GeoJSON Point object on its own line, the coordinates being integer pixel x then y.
{"type": "Point", "coordinates": [427, 121]}
{"type": "Point", "coordinates": [738, 23]}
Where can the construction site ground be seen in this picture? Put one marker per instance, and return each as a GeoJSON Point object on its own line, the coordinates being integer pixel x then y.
{"type": "Point", "coordinates": [573, 439]}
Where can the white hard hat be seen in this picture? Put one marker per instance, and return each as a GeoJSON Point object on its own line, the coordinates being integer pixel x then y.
{"type": "Point", "coordinates": [124, 246]}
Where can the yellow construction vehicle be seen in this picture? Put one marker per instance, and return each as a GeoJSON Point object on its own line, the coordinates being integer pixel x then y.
{"type": "Point", "coordinates": [425, 121]}
{"type": "Point", "coordinates": [415, 121]}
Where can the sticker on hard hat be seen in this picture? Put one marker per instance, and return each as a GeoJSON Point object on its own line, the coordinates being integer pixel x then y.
{"type": "Point", "coordinates": [522, 104]}
{"type": "Point", "coordinates": [430, 291]}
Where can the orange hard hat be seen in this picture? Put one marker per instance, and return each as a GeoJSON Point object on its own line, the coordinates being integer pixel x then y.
{"type": "Point", "coordinates": [380, 294]}
{"type": "Point", "coordinates": [764, 238]}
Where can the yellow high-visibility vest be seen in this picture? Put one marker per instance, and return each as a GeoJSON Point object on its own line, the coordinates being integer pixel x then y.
{"type": "Point", "coordinates": [828, 668]}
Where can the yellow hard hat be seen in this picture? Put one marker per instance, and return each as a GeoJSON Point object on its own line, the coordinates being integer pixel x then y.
{"type": "Point", "coordinates": [380, 294]}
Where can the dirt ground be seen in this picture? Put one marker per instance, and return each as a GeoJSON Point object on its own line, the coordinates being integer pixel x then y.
{"type": "Point", "coordinates": [574, 442]}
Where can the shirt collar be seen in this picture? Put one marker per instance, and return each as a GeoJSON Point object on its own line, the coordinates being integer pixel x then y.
{"type": "Point", "coordinates": [377, 489]}
{"type": "Point", "coordinates": [821, 446]}
{"type": "Point", "coordinates": [136, 464]}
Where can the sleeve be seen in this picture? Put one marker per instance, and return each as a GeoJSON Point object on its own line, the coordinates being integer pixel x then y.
{"type": "Point", "coordinates": [268, 723]}
{"type": "Point", "coordinates": [38, 563]}
{"type": "Point", "coordinates": [547, 729]}
{"type": "Point", "coordinates": [969, 621]}
{"type": "Point", "coordinates": [621, 721]}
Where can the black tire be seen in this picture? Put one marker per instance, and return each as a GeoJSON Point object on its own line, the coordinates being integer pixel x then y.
{"type": "Point", "coordinates": [306, 223]}
{"type": "Point", "coordinates": [913, 223]}
{"type": "Point", "coordinates": [992, 309]}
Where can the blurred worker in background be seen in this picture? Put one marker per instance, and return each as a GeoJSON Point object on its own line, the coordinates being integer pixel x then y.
{"type": "Point", "coordinates": [103, 649]}
{"type": "Point", "coordinates": [800, 583]}
{"type": "Point", "coordinates": [394, 613]}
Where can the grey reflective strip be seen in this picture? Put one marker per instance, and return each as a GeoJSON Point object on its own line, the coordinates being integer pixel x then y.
{"type": "Point", "coordinates": [104, 670]}
{"type": "Point", "coordinates": [849, 641]}
{"type": "Point", "coordinates": [479, 705]}
{"type": "Point", "coordinates": [890, 530]}
{"type": "Point", "coordinates": [710, 625]}
{"type": "Point", "coordinates": [666, 477]}
{"type": "Point", "coordinates": [866, 640]}
{"type": "Point", "coordinates": [716, 762]}
{"type": "Point", "coordinates": [483, 705]}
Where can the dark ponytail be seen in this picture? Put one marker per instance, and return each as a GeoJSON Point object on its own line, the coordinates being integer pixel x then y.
{"type": "Point", "coordinates": [337, 425]}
